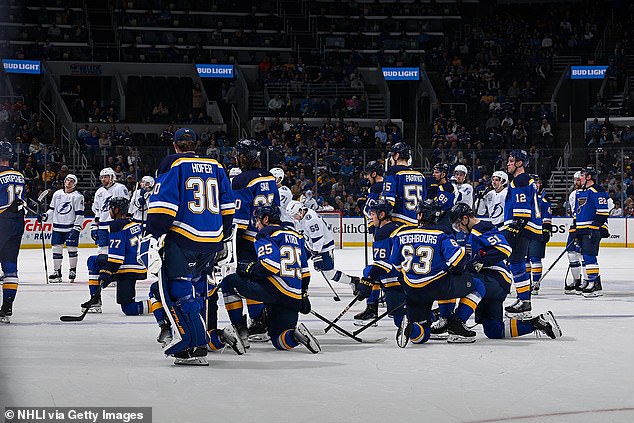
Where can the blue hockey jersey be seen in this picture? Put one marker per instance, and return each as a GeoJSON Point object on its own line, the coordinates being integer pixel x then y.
{"type": "Point", "coordinates": [282, 264]}
{"type": "Point", "coordinates": [122, 250]}
{"type": "Point", "coordinates": [424, 255]}
{"type": "Point", "coordinates": [446, 196]}
{"type": "Point", "coordinates": [489, 247]}
{"type": "Point", "coordinates": [591, 208]}
{"type": "Point", "coordinates": [522, 202]}
{"type": "Point", "coordinates": [374, 193]}
{"type": "Point", "coordinates": [252, 188]}
{"type": "Point", "coordinates": [192, 201]}
{"type": "Point", "coordinates": [546, 209]}
{"type": "Point", "coordinates": [381, 269]}
{"type": "Point", "coordinates": [404, 188]}
{"type": "Point", "coordinates": [11, 192]}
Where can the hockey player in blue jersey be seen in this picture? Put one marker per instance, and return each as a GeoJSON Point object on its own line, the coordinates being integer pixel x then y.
{"type": "Point", "coordinates": [522, 223]}
{"type": "Point", "coordinates": [253, 187]}
{"type": "Point", "coordinates": [432, 264]}
{"type": "Point", "coordinates": [11, 227]}
{"type": "Point", "coordinates": [190, 217]}
{"type": "Point", "coordinates": [537, 247]}
{"type": "Point", "coordinates": [381, 273]}
{"type": "Point", "coordinates": [444, 193]}
{"type": "Point", "coordinates": [121, 265]}
{"type": "Point", "coordinates": [374, 177]}
{"type": "Point", "coordinates": [489, 250]}
{"type": "Point", "coordinates": [278, 277]}
{"type": "Point", "coordinates": [591, 209]}
{"type": "Point", "coordinates": [403, 187]}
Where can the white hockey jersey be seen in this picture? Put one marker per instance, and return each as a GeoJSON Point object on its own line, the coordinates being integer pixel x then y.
{"type": "Point", "coordinates": [66, 211]}
{"type": "Point", "coordinates": [464, 194]}
{"type": "Point", "coordinates": [309, 202]}
{"type": "Point", "coordinates": [285, 196]}
{"type": "Point", "coordinates": [492, 206]}
{"type": "Point", "coordinates": [136, 210]}
{"type": "Point", "coordinates": [315, 230]}
{"type": "Point", "coordinates": [101, 203]}
{"type": "Point", "coordinates": [572, 198]}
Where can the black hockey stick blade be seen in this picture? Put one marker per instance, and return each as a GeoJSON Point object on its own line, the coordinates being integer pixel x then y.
{"type": "Point", "coordinates": [376, 319]}
{"type": "Point", "coordinates": [74, 318]}
{"type": "Point", "coordinates": [344, 311]}
{"type": "Point", "coordinates": [344, 332]}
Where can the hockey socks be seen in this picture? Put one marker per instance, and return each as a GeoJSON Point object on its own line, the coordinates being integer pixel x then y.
{"type": "Point", "coordinates": [10, 283]}
{"type": "Point", "coordinates": [136, 308]}
{"type": "Point", "coordinates": [446, 308]}
{"type": "Point", "coordinates": [255, 309]}
{"type": "Point", "coordinates": [521, 280]}
{"type": "Point", "coordinates": [285, 341]}
{"type": "Point", "coordinates": [514, 328]}
{"type": "Point", "coordinates": [469, 303]}
{"type": "Point", "coordinates": [57, 256]}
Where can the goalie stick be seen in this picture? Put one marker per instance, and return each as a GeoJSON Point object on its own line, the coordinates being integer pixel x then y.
{"type": "Point", "coordinates": [343, 332]}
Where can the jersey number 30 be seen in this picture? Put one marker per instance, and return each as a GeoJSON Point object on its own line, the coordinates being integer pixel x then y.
{"type": "Point", "coordinates": [205, 195]}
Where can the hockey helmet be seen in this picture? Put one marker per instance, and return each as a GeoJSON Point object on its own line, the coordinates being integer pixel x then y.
{"type": "Point", "coordinates": [249, 148]}
{"type": "Point", "coordinates": [234, 171]}
{"type": "Point", "coordinates": [403, 150]}
{"type": "Point", "coordinates": [441, 168]}
{"type": "Point", "coordinates": [107, 171]}
{"type": "Point", "coordinates": [535, 177]}
{"type": "Point", "coordinates": [458, 211]}
{"type": "Point", "coordinates": [374, 166]}
{"type": "Point", "coordinates": [6, 150]}
{"type": "Point", "coordinates": [577, 174]}
{"type": "Point", "coordinates": [278, 174]}
{"type": "Point", "coordinates": [381, 205]}
{"type": "Point", "coordinates": [504, 178]}
{"type": "Point", "coordinates": [520, 155]}
{"type": "Point", "coordinates": [293, 208]}
{"type": "Point", "coordinates": [72, 178]}
{"type": "Point", "coordinates": [461, 168]}
{"type": "Point", "coordinates": [147, 182]}
{"type": "Point", "coordinates": [590, 171]}
{"type": "Point", "coordinates": [268, 209]}
{"type": "Point", "coordinates": [185, 134]}
{"type": "Point", "coordinates": [429, 211]}
{"type": "Point", "coordinates": [121, 203]}
{"type": "Point", "coordinates": [308, 194]}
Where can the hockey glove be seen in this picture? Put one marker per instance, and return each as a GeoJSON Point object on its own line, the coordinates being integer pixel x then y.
{"type": "Point", "coordinates": [105, 278]}
{"type": "Point", "coordinates": [594, 234]}
{"type": "Point", "coordinates": [42, 217]}
{"type": "Point", "coordinates": [475, 265]}
{"type": "Point", "coordinates": [142, 201]}
{"type": "Point", "coordinates": [363, 288]}
{"type": "Point", "coordinates": [245, 268]}
{"type": "Point", "coordinates": [305, 306]}
{"type": "Point", "coordinates": [318, 262]}
{"type": "Point", "coordinates": [546, 232]}
{"type": "Point", "coordinates": [516, 226]}
{"type": "Point", "coordinates": [94, 232]}
{"type": "Point", "coordinates": [149, 253]}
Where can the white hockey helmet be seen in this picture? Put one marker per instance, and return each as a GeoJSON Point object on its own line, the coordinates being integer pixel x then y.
{"type": "Point", "coordinates": [278, 173]}
{"type": "Point", "coordinates": [294, 208]}
{"type": "Point", "coordinates": [147, 182]}
{"type": "Point", "coordinates": [308, 194]}
{"type": "Point", "coordinates": [234, 171]}
{"type": "Point", "coordinates": [502, 175]}
{"type": "Point", "coordinates": [71, 177]}
{"type": "Point", "coordinates": [577, 174]}
{"type": "Point", "coordinates": [107, 171]}
{"type": "Point", "coordinates": [461, 168]}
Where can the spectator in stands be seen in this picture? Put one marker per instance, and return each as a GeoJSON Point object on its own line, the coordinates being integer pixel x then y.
{"type": "Point", "coordinates": [627, 136]}
{"type": "Point", "coordinates": [160, 112]}
{"type": "Point", "coordinates": [35, 150]}
{"type": "Point", "coordinates": [198, 101]}
{"type": "Point", "coordinates": [546, 132]}
{"type": "Point", "coordinates": [48, 175]}
{"type": "Point", "coordinates": [31, 175]}
{"type": "Point", "coordinates": [275, 105]}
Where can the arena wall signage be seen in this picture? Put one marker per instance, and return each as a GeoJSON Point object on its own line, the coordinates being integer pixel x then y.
{"type": "Point", "coordinates": [21, 66]}
{"type": "Point", "coordinates": [401, 74]}
{"type": "Point", "coordinates": [587, 72]}
{"type": "Point", "coordinates": [215, 71]}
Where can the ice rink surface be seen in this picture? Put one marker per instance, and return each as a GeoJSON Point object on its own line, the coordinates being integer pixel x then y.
{"type": "Point", "coordinates": [114, 360]}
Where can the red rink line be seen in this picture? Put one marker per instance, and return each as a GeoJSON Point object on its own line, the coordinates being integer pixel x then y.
{"type": "Point", "coordinates": [562, 413]}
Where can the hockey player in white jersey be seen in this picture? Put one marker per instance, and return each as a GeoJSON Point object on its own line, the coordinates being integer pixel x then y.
{"type": "Point", "coordinates": [462, 188]}
{"type": "Point", "coordinates": [492, 205]}
{"type": "Point", "coordinates": [138, 204]}
{"type": "Point", "coordinates": [319, 242]}
{"type": "Point", "coordinates": [101, 208]}
{"type": "Point", "coordinates": [66, 211]}
{"type": "Point", "coordinates": [285, 196]}
{"type": "Point", "coordinates": [572, 245]}
{"type": "Point", "coordinates": [308, 200]}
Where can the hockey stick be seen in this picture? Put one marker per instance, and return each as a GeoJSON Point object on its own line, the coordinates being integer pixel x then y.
{"type": "Point", "coordinates": [344, 332]}
{"type": "Point", "coordinates": [344, 311]}
{"type": "Point", "coordinates": [40, 198]}
{"type": "Point", "coordinates": [376, 319]}
{"type": "Point", "coordinates": [336, 297]}
{"type": "Point", "coordinates": [93, 300]}
{"type": "Point", "coordinates": [555, 262]}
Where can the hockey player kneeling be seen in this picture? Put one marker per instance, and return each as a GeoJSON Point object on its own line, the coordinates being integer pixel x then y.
{"type": "Point", "coordinates": [489, 252]}
{"type": "Point", "coordinates": [121, 265]}
{"type": "Point", "coordinates": [279, 278]}
{"type": "Point", "coordinates": [431, 264]}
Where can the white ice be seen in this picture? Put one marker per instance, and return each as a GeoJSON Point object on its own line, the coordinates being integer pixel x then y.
{"type": "Point", "coordinates": [114, 360]}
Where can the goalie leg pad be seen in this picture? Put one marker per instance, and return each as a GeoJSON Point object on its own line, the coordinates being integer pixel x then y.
{"type": "Point", "coordinates": [156, 305]}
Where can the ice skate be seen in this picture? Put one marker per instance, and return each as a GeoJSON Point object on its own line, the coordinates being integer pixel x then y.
{"type": "Point", "coordinates": [519, 310]}
{"type": "Point", "coordinates": [366, 316]}
{"type": "Point", "coordinates": [439, 329]}
{"type": "Point", "coordinates": [459, 333]}
{"type": "Point", "coordinates": [304, 337]}
{"type": "Point", "coordinates": [55, 277]}
{"type": "Point", "coordinates": [165, 336]}
{"type": "Point", "coordinates": [546, 323]}
{"type": "Point", "coordinates": [535, 288]}
{"type": "Point", "coordinates": [230, 338]}
{"type": "Point", "coordinates": [570, 289]}
{"type": "Point", "coordinates": [580, 285]}
{"type": "Point", "coordinates": [93, 305]}
{"type": "Point", "coordinates": [72, 274]}
{"type": "Point", "coordinates": [243, 332]}
{"type": "Point", "coordinates": [6, 311]}
{"type": "Point", "coordinates": [192, 357]}
{"type": "Point", "coordinates": [593, 289]}
{"type": "Point", "coordinates": [403, 332]}
{"type": "Point", "coordinates": [258, 329]}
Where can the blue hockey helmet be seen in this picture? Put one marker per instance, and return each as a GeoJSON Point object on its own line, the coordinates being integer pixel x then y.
{"type": "Point", "coordinates": [590, 171]}
{"type": "Point", "coordinates": [250, 148]}
{"type": "Point", "coordinates": [429, 211]}
{"type": "Point", "coordinates": [442, 168]}
{"type": "Point", "coordinates": [460, 210]}
{"type": "Point", "coordinates": [185, 134]}
{"type": "Point", "coordinates": [6, 150]}
{"type": "Point", "coordinates": [374, 166]}
{"type": "Point", "coordinates": [270, 210]}
{"type": "Point", "coordinates": [520, 155]}
{"type": "Point", "coordinates": [121, 203]}
{"type": "Point", "coordinates": [403, 150]}
{"type": "Point", "coordinates": [535, 177]}
{"type": "Point", "coordinates": [381, 205]}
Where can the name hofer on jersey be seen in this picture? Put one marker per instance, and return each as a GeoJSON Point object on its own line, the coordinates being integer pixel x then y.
{"type": "Point", "coordinates": [202, 168]}
{"type": "Point", "coordinates": [414, 178]}
{"type": "Point", "coordinates": [7, 179]}
{"type": "Point", "coordinates": [418, 238]}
